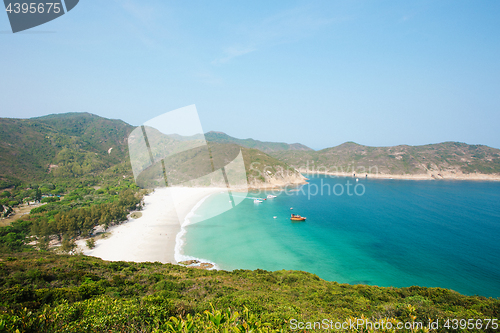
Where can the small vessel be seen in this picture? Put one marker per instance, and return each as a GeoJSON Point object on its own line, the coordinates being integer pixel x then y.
{"type": "Point", "coordinates": [291, 207]}
{"type": "Point", "coordinates": [270, 196]}
{"type": "Point", "coordinates": [296, 217]}
{"type": "Point", "coordinates": [275, 217]}
{"type": "Point", "coordinates": [257, 201]}
{"type": "Point", "coordinates": [357, 179]}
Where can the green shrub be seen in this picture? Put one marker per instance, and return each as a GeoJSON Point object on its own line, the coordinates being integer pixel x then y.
{"type": "Point", "coordinates": [90, 243]}
{"type": "Point", "coordinates": [50, 199]}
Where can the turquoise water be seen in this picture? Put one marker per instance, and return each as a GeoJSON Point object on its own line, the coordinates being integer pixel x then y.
{"type": "Point", "coordinates": [398, 233]}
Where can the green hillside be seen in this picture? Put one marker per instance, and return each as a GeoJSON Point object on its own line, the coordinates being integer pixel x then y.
{"type": "Point", "coordinates": [60, 146]}
{"type": "Point", "coordinates": [266, 147]}
{"type": "Point", "coordinates": [193, 164]}
{"type": "Point", "coordinates": [82, 145]}
{"type": "Point", "coordinates": [450, 157]}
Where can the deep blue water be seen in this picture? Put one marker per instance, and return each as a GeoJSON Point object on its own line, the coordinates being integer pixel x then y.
{"type": "Point", "coordinates": [398, 233]}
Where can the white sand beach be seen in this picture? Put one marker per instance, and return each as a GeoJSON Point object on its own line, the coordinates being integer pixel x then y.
{"type": "Point", "coordinates": [151, 237]}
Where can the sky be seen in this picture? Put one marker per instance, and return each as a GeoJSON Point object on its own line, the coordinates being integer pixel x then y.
{"type": "Point", "coordinates": [321, 73]}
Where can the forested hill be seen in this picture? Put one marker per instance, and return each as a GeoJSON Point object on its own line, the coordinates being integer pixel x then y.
{"type": "Point", "coordinates": [82, 145]}
{"type": "Point", "coordinates": [266, 147]}
{"type": "Point", "coordinates": [63, 145]}
{"type": "Point", "coordinates": [434, 159]}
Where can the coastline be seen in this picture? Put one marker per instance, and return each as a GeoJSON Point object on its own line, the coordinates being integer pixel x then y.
{"type": "Point", "coordinates": [158, 235]}
{"type": "Point", "coordinates": [179, 256]}
{"type": "Point", "coordinates": [153, 236]}
{"type": "Point", "coordinates": [442, 175]}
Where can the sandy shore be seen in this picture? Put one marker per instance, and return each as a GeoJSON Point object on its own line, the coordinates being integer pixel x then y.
{"type": "Point", "coordinates": [151, 237]}
{"type": "Point", "coordinates": [443, 175]}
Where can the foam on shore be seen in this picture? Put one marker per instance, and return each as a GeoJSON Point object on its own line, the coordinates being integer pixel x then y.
{"type": "Point", "coordinates": [180, 238]}
{"type": "Point", "coordinates": [153, 236]}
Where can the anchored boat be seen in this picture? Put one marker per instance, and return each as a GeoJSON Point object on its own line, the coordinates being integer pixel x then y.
{"type": "Point", "coordinates": [296, 217]}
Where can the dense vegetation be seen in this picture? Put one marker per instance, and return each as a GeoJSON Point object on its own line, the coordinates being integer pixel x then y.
{"type": "Point", "coordinates": [74, 212]}
{"type": "Point", "coordinates": [59, 146]}
{"type": "Point", "coordinates": [80, 146]}
{"type": "Point", "coordinates": [43, 292]}
{"type": "Point", "coordinates": [454, 157]}
{"type": "Point", "coordinates": [260, 166]}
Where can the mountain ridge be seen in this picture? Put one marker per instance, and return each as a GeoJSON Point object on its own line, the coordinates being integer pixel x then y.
{"type": "Point", "coordinates": [76, 144]}
{"type": "Point", "coordinates": [265, 146]}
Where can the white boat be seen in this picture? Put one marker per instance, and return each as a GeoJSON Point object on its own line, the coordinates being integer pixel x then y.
{"type": "Point", "coordinates": [270, 196]}
{"type": "Point", "coordinates": [257, 201]}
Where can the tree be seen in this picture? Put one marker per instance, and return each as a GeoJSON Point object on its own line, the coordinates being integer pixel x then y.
{"type": "Point", "coordinates": [91, 243]}
{"type": "Point", "coordinates": [67, 244]}
{"type": "Point", "coordinates": [38, 195]}
{"type": "Point", "coordinates": [43, 243]}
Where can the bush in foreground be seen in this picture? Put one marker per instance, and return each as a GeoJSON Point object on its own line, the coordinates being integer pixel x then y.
{"type": "Point", "coordinates": [44, 292]}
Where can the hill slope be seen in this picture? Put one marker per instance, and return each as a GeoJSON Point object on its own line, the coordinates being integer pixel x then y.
{"type": "Point", "coordinates": [442, 160]}
{"type": "Point", "coordinates": [266, 147]}
{"type": "Point", "coordinates": [63, 145]}
{"type": "Point", "coordinates": [78, 145]}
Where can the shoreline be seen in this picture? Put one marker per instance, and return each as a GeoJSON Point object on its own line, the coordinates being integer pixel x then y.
{"type": "Point", "coordinates": [428, 176]}
{"type": "Point", "coordinates": [153, 236]}
{"type": "Point", "coordinates": [180, 240]}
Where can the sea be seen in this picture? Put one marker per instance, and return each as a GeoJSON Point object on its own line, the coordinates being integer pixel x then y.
{"type": "Point", "coordinates": [386, 232]}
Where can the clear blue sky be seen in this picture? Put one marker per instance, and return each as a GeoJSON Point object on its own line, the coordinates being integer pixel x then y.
{"type": "Point", "coordinates": [320, 73]}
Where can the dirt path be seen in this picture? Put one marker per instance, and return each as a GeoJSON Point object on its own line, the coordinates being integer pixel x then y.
{"type": "Point", "coordinates": [19, 212]}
